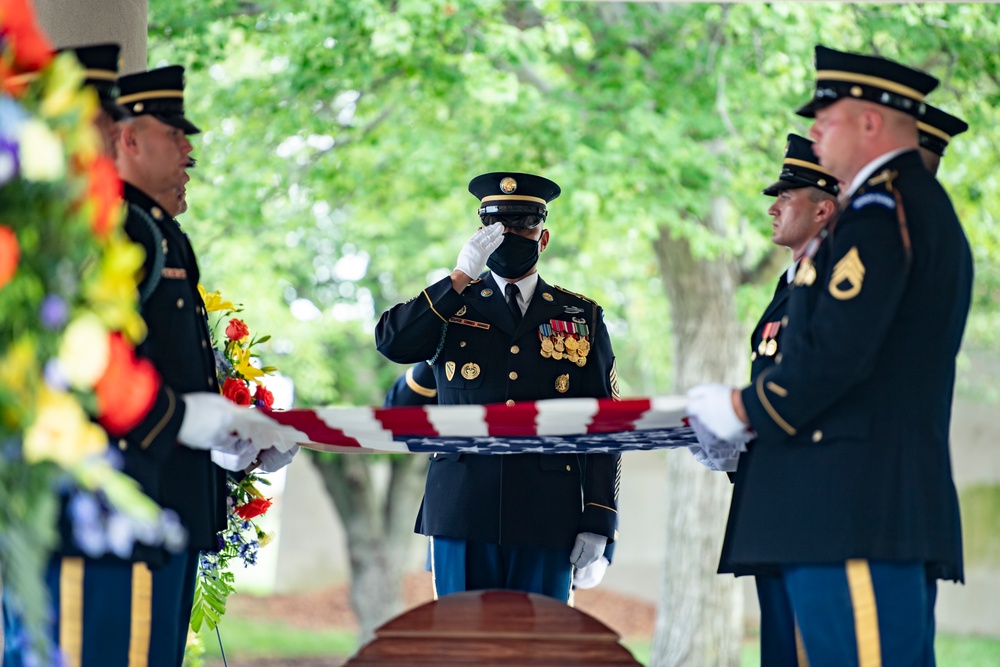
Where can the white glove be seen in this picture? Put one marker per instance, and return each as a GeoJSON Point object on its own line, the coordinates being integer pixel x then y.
{"type": "Point", "coordinates": [262, 431]}
{"type": "Point", "coordinates": [587, 549]}
{"type": "Point", "coordinates": [473, 255]}
{"type": "Point", "coordinates": [208, 420]}
{"type": "Point", "coordinates": [273, 460]}
{"type": "Point", "coordinates": [243, 454]}
{"type": "Point", "coordinates": [712, 404]}
{"type": "Point", "coordinates": [590, 576]}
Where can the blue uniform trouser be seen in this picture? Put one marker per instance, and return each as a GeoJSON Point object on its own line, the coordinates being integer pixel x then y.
{"type": "Point", "coordinates": [119, 614]}
{"type": "Point", "coordinates": [863, 613]}
{"type": "Point", "coordinates": [458, 565]}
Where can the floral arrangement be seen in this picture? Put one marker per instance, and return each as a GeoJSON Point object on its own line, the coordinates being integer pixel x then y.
{"type": "Point", "coordinates": [68, 325]}
{"type": "Point", "coordinates": [240, 381]}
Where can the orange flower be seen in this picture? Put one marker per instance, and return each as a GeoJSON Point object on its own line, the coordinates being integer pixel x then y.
{"type": "Point", "coordinates": [237, 391]}
{"type": "Point", "coordinates": [31, 47]}
{"type": "Point", "coordinates": [104, 190]}
{"type": "Point", "coordinates": [237, 329]}
{"type": "Point", "coordinates": [10, 254]}
{"type": "Point", "coordinates": [127, 390]}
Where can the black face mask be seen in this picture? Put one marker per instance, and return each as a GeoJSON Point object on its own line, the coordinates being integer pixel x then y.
{"type": "Point", "coordinates": [515, 256]}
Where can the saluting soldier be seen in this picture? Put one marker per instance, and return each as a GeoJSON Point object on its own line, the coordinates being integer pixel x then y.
{"type": "Point", "coordinates": [850, 497]}
{"type": "Point", "coordinates": [510, 521]}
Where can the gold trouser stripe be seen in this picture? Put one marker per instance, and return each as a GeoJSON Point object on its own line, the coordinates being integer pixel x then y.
{"type": "Point", "coordinates": [859, 583]}
{"type": "Point", "coordinates": [434, 583]}
{"type": "Point", "coordinates": [800, 648]}
{"type": "Point", "coordinates": [71, 610]}
{"type": "Point", "coordinates": [142, 616]}
{"type": "Point", "coordinates": [417, 388]}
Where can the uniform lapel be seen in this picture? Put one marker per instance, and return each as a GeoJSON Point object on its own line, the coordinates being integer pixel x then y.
{"type": "Point", "coordinates": [540, 309]}
{"type": "Point", "coordinates": [487, 298]}
{"type": "Point", "coordinates": [780, 296]}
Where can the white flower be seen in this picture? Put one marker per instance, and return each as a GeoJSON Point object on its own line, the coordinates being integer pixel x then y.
{"type": "Point", "coordinates": [41, 152]}
{"type": "Point", "coordinates": [84, 351]}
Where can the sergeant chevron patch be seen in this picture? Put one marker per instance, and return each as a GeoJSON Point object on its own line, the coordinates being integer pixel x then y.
{"type": "Point", "coordinates": [848, 275]}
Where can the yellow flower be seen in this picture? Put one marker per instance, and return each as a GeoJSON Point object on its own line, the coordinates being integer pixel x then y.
{"type": "Point", "coordinates": [42, 157]}
{"type": "Point", "coordinates": [111, 288]}
{"type": "Point", "coordinates": [242, 365]}
{"type": "Point", "coordinates": [213, 301]}
{"type": "Point", "coordinates": [62, 432]}
{"type": "Point", "coordinates": [84, 351]}
{"type": "Point", "coordinates": [266, 539]}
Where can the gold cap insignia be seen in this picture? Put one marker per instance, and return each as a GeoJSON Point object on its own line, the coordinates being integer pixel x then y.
{"type": "Point", "coordinates": [508, 185]}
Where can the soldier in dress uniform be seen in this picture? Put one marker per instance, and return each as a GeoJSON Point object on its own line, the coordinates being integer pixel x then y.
{"type": "Point", "coordinates": [805, 200]}
{"type": "Point", "coordinates": [937, 129]}
{"type": "Point", "coordinates": [850, 497]}
{"type": "Point", "coordinates": [510, 521]}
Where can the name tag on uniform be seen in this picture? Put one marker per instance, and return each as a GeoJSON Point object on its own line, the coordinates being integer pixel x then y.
{"type": "Point", "coordinates": [174, 273]}
{"type": "Point", "coordinates": [469, 323]}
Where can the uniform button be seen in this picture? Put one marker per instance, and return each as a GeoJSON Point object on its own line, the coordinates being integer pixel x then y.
{"type": "Point", "coordinates": [777, 358]}
{"type": "Point", "coordinates": [510, 402]}
{"type": "Point", "coordinates": [180, 303]}
{"type": "Point", "coordinates": [817, 435]}
{"type": "Point", "coordinates": [512, 375]}
{"type": "Point", "coordinates": [210, 378]}
{"type": "Point", "coordinates": [784, 321]}
{"type": "Point", "coordinates": [204, 344]}
{"type": "Point", "coordinates": [157, 213]}
{"type": "Point", "coordinates": [568, 469]}
{"type": "Point", "coordinates": [123, 444]}
{"type": "Point", "coordinates": [462, 344]}
{"type": "Point", "coordinates": [514, 349]}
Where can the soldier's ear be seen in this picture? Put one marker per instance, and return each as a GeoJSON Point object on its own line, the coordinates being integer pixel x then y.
{"type": "Point", "coordinates": [543, 240]}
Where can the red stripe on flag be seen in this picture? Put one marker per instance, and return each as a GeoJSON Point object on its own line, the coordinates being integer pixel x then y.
{"type": "Point", "coordinates": [615, 415]}
{"type": "Point", "coordinates": [519, 419]}
{"type": "Point", "coordinates": [406, 421]}
{"type": "Point", "coordinates": [315, 429]}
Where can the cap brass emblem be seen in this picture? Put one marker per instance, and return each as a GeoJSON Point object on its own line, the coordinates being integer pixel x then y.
{"type": "Point", "coordinates": [508, 185]}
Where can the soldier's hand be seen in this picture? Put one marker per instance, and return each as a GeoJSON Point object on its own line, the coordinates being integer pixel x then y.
{"type": "Point", "coordinates": [208, 419]}
{"type": "Point", "coordinates": [587, 549]}
{"type": "Point", "coordinates": [472, 258]}
{"type": "Point", "coordinates": [712, 404]}
{"type": "Point", "coordinates": [272, 460]}
{"type": "Point", "coordinates": [592, 575]}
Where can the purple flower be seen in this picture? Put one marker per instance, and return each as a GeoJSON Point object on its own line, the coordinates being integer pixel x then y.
{"type": "Point", "coordinates": [55, 376]}
{"type": "Point", "coordinates": [88, 528]}
{"type": "Point", "coordinates": [120, 536]}
{"type": "Point", "coordinates": [53, 312]}
{"type": "Point", "coordinates": [9, 164]}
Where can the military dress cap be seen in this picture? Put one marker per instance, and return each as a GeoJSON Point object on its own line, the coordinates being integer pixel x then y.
{"type": "Point", "coordinates": [801, 169]}
{"type": "Point", "coordinates": [158, 93]}
{"type": "Point", "coordinates": [101, 63]}
{"type": "Point", "coordinates": [514, 194]}
{"type": "Point", "coordinates": [937, 129]}
{"type": "Point", "coordinates": [841, 75]}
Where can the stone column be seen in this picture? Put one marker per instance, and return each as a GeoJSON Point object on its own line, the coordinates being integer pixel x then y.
{"type": "Point", "coordinates": [82, 22]}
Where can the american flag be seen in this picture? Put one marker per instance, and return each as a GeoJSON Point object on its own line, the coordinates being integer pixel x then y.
{"type": "Point", "coordinates": [557, 426]}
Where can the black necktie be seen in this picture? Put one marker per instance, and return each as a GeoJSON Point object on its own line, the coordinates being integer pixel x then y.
{"type": "Point", "coordinates": [512, 290]}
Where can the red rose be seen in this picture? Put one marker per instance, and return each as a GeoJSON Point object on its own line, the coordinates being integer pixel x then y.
{"type": "Point", "coordinates": [10, 254]}
{"type": "Point", "coordinates": [237, 391]}
{"type": "Point", "coordinates": [263, 397]}
{"type": "Point", "coordinates": [104, 190]}
{"type": "Point", "coordinates": [254, 508]}
{"type": "Point", "coordinates": [127, 390]}
{"type": "Point", "coordinates": [237, 329]}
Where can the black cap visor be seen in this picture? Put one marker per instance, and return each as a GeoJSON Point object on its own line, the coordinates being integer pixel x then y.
{"type": "Point", "coordinates": [180, 122]}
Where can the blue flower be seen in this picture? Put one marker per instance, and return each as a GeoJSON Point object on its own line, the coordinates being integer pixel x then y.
{"type": "Point", "coordinates": [88, 525]}
{"type": "Point", "coordinates": [53, 312]}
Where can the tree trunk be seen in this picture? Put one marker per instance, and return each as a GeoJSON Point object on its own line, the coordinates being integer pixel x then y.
{"type": "Point", "coordinates": [699, 620]}
{"type": "Point", "coordinates": [377, 499]}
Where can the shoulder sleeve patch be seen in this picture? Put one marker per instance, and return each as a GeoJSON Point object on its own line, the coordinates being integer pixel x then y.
{"type": "Point", "coordinates": [874, 199]}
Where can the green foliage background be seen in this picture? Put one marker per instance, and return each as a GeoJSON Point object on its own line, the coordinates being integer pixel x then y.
{"type": "Point", "coordinates": [340, 137]}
